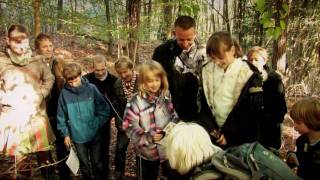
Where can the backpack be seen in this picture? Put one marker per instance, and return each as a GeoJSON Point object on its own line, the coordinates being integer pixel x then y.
{"type": "Point", "coordinates": [248, 161]}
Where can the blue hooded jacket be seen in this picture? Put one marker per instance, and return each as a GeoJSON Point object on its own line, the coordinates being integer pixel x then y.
{"type": "Point", "coordinates": [82, 111]}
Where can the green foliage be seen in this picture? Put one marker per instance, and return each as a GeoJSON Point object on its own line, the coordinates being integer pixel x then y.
{"type": "Point", "coordinates": [191, 8]}
{"type": "Point", "coordinates": [272, 18]}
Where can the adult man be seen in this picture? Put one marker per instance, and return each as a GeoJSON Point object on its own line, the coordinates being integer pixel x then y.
{"type": "Point", "coordinates": [104, 81]}
{"type": "Point", "coordinates": [182, 58]}
{"type": "Point", "coordinates": [45, 47]}
{"type": "Point", "coordinates": [25, 83]}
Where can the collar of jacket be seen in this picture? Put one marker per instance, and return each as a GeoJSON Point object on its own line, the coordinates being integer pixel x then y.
{"type": "Point", "coordinates": [155, 99]}
{"type": "Point", "coordinates": [207, 76]}
{"type": "Point", "coordinates": [81, 88]}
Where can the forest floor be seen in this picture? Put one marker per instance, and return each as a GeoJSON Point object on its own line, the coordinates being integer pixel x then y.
{"type": "Point", "coordinates": [80, 48]}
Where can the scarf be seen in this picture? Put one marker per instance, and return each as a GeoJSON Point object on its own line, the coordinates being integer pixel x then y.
{"type": "Point", "coordinates": [20, 60]}
{"type": "Point", "coordinates": [128, 87]}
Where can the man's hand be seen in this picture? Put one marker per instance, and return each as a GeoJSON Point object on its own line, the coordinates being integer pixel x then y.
{"type": "Point", "coordinates": [67, 142]}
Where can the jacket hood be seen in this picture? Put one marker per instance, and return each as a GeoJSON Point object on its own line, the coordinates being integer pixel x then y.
{"type": "Point", "coordinates": [81, 88]}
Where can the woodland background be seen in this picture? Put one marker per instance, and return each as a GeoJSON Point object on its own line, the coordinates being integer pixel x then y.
{"type": "Point", "coordinates": [289, 29]}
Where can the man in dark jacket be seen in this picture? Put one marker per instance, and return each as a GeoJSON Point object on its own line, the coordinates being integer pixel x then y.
{"type": "Point", "coordinates": [104, 81]}
{"type": "Point", "coordinates": [182, 58]}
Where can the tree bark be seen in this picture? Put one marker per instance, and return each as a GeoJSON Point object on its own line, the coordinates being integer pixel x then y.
{"type": "Point", "coordinates": [149, 15]}
{"type": "Point", "coordinates": [2, 18]}
{"type": "Point", "coordinates": [280, 44]}
{"type": "Point", "coordinates": [109, 26]}
{"type": "Point", "coordinates": [240, 16]}
{"type": "Point", "coordinates": [134, 7]}
{"type": "Point", "coordinates": [36, 16]}
{"type": "Point", "coordinates": [60, 10]}
{"type": "Point", "coordinates": [167, 18]}
{"type": "Point", "coordinates": [213, 18]}
{"type": "Point", "coordinates": [226, 14]}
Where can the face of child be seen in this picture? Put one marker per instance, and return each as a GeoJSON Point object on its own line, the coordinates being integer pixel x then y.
{"type": "Point", "coordinates": [225, 57]}
{"type": "Point", "coordinates": [153, 83]}
{"type": "Point", "coordinates": [258, 61]}
{"type": "Point", "coordinates": [301, 127]}
{"type": "Point", "coordinates": [75, 82]}
{"type": "Point", "coordinates": [125, 74]}
{"type": "Point", "coordinates": [18, 43]}
{"type": "Point", "coordinates": [46, 48]}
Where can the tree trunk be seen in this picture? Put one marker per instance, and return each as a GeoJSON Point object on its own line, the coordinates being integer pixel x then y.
{"type": "Point", "coordinates": [278, 60]}
{"type": "Point", "coordinates": [3, 18]}
{"type": "Point", "coordinates": [60, 10]}
{"type": "Point", "coordinates": [167, 13]}
{"type": "Point", "coordinates": [21, 15]}
{"type": "Point", "coordinates": [149, 14]}
{"type": "Point", "coordinates": [109, 26]}
{"type": "Point", "coordinates": [226, 14]}
{"type": "Point", "coordinates": [134, 7]}
{"type": "Point", "coordinates": [36, 13]}
{"type": "Point", "coordinates": [240, 17]}
{"type": "Point", "coordinates": [212, 18]}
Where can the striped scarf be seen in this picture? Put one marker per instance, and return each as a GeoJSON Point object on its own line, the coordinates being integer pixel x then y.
{"type": "Point", "coordinates": [128, 87]}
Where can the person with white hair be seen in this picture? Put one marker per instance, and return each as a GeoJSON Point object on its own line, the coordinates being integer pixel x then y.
{"type": "Point", "coordinates": [188, 146]}
{"type": "Point", "coordinates": [191, 153]}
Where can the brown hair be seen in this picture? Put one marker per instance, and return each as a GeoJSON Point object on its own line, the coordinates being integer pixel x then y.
{"type": "Point", "coordinates": [123, 63]}
{"type": "Point", "coordinates": [307, 111]}
{"type": "Point", "coordinates": [257, 51]}
{"type": "Point", "coordinates": [71, 71]}
{"type": "Point", "coordinates": [185, 22]}
{"type": "Point", "coordinates": [18, 28]}
{"type": "Point", "coordinates": [157, 69]}
{"type": "Point", "coordinates": [41, 37]}
{"type": "Point", "coordinates": [220, 38]}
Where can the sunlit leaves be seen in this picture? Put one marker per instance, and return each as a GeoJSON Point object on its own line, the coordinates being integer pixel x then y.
{"type": "Point", "coordinates": [273, 19]}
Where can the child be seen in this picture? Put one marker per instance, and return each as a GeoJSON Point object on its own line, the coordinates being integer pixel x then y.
{"type": "Point", "coordinates": [82, 111]}
{"type": "Point", "coordinates": [232, 97]}
{"type": "Point", "coordinates": [306, 116]}
{"type": "Point", "coordinates": [273, 98]}
{"type": "Point", "coordinates": [124, 88]}
{"type": "Point", "coordinates": [146, 115]}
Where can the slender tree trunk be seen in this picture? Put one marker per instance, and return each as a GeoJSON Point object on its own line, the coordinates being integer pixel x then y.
{"type": "Point", "coordinates": [279, 45]}
{"type": "Point", "coordinates": [134, 7]}
{"type": "Point", "coordinates": [20, 14]}
{"type": "Point", "coordinates": [60, 11]}
{"type": "Point", "coordinates": [149, 15]}
{"type": "Point", "coordinates": [226, 14]}
{"type": "Point", "coordinates": [109, 26]}
{"type": "Point", "coordinates": [3, 18]}
{"type": "Point", "coordinates": [167, 18]}
{"type": "Point", "coordinates": [213, 18]}
{"type": "Point", "coordinates": [36, 16]}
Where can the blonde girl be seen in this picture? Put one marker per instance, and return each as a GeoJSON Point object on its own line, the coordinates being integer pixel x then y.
{"type": "Point", "coordinates": [146, 116]}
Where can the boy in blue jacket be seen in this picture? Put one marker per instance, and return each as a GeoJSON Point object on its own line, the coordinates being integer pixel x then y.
{"type": "Point", "coordinates": [82, 111]}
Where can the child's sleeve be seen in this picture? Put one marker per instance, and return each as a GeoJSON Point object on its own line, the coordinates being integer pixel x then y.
{"type": "Point", "coordinates": [132, 126]}
{"type": "Point", "coordinates": [102, 108]}
{"type": "Point", "coordinates": [62, 117]}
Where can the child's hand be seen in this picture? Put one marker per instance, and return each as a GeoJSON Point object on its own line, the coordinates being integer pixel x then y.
{"type": "Point", "coordinates": [157, 137]}
{"type": "Point", "coordinates": [67, 142]}
{"type": "Point", "coordinates": [222, 140]}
